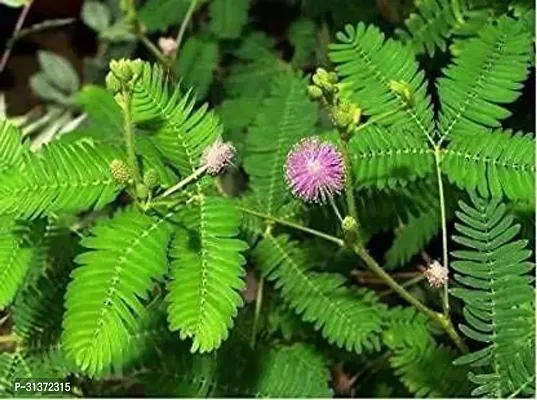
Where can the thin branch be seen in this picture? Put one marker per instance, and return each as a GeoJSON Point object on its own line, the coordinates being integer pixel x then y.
{"type": "Point", "coordinates": [438, 161]}
{"type": "Point", "coordinates": [184, 24]}
{"type": "Point", "coordinates": [155, 51]}
{"type": "Point", "coordinates": [49, 24]}
{"type": "Point", "coordinates": [298, 227]}
{"type": "Point", "coordinates": [18, 27]}
{"type": "Point", "coordinates": [195, 175]}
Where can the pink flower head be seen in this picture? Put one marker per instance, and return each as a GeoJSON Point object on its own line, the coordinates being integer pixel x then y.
{"type": "Point", "coordinates": [167, 45]}
{"type": "Point", "coordinates": [217, 156]}
{"type": "Point", "coordinates": [436, 274]}
{"type": "Point", "coordinates": [314, 170]}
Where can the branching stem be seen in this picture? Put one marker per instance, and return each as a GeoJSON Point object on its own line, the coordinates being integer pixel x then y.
{"type": "Point", "coordinates": [8, 338]}
{"type": "Point", "coordinates": [195, 176]}
{"type": "Point", "coordinates": [258, 305]}
{"type": "Point", "coordinates": [128, 135]}
{"type": "Point", "coordinates": [155, 51]}
{"type": "Point", "coordinates": [18, 27]}
{"type": "Point", "coordinates": [349, 192]}
{"type": "Point", "coordinates": [298, 227]}
{"type": "Point", "coordinates": [184, 24]}
{"type": "Point", "coordinates": [441, 196]}
{"type": "Point", "coordinates": [370, 262]}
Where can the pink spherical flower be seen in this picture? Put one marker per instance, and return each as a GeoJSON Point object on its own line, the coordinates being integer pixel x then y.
{"type": "Point", "coordinates": [315, 170]}
{"type": "Point", "coordinates": [437, 275]}
{"type": "Point", "coordinates": [217, 156]}
{"type": "Point", "coordinates": [167, 45]}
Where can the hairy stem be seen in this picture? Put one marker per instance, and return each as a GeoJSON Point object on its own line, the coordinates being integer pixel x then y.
{"type": "Point", "coordinates": [18, 27]}
{"type": "Point", "coordinates": [410, 282]}
{"type": "Point", "coordinates": [195, 175]}
{"type": "Point", "coordinates": [155, 51]}
{"type": "Point", "coordinates": [8, 338]}
{"type": "Point", "coordinates": [298, 227]}
{"type": "Point", "coordinates": [438, 161]}
{"type": "Point", "coordinates": [184, 24]}
{"type": "Point", "coordinates": [444, 322]}
{"type": "Point", "coordinates": [128, 135]}
{"type": "Point", "coordinates": [349, 192]}
{"type": "Point", "coordinates": [358, 248]}
{"type": "Point", "coordinates": [258, 305]}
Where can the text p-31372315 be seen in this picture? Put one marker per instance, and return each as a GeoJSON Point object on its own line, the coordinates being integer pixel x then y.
{"type": "Point", "coordinates": [21, 386]}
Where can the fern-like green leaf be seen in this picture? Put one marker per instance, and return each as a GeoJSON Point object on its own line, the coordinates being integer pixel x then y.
{"type": "Point", "coordinates": [487, 73]}
{"type": "Point", "coordinates": [285, 117]}
{"type": "Point", "coordinates": [197, 62]}
{"type": "Point", "coordinates": [61, 178]}
{"type": "Point", "coordinates": [206, 273]}
{"type": "Point", "coordinates": [350, 319]}
{"type": "Point", "coordinates": [367, 63]}
{"type": "Point", "coordinates": [158, 15]}
{"type": "Point", "coordinates": [293, 371]}
{"type": "Point", "coordinates": [495, 164]}
{"type": "Point", "coordinates": [493, 271]}
{"type": "Point", "coordinates": [384, 158]}
{"type": "Point", "coordinates": [106, 294]}
{"type": "Point", "coordinates": [302, 36]}
{"type": "Point", "coordinates": [435, 21]}
{"type": "Point", "coordinates": [15, 258]}
{"type": "Point", "coordinates": [38, 308]}
{"type": "Point", "coordinates": [413, 237]}
{"type": "Point", "coordinates": [228, 17]}
{"type": "Point", "coordinates": [181, 132]}
{"type": "Point", "coordinates": [11, 148]}
{"type": "Point", "coordinates": [424, 366]}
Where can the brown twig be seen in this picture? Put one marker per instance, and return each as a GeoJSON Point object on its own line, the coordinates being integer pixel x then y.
{"type": "Point", "coordinates": [18, 27]}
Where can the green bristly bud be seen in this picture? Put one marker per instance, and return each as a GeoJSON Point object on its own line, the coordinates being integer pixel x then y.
{"type": "Point", "coordinates": [332, 78]}
{"type": "Point", "coordinates": [314, 92]}
{"type": "Point", "coordinates": [342, 119]}
{"type": "Point", "coordinates": [142, 192]}
{"type": "Point", "coordinates": [120, 172]}
{"type": "Point", "coordinates": [403, 89]}
{"type": "Point", "coordinates": [151, 179]}
{"type": "Point", "coordinates": [323, 80]}
{"type": "Point", "coordinates": [112, 83]}
{"type": "Point", "coordinates": [350, 229]}
{"type": "Point", "coordinates": [126, 71]}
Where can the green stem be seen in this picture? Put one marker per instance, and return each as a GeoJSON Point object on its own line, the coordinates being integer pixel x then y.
{"type": "Point", "coordinates": [258, 305]}
{"type": "Point", "coordinates": [444, 322]}
{"type": "Point", "coordinates": [374, 120]}
{"type": "Point", "coordinates": [336, 211]}
{"type": "Point", "coordinates": [410, 282]}
{"type": "Point", "coordinates": [195, 175]}
{"type": "Point", "coordinates": [298, 227]}
{"type": "Point", "coordinates": [349, 192]}
{"type": "Point", "coordinates": [155, 51]}
{"type": "Point", "coordinates": [184, 24]}
{"type": "Point", "coordinates": [128, 135]}
{"type": "Point", "coordinates": [8, 338]}
{"type": "Point", "coordinates": [445, 293]}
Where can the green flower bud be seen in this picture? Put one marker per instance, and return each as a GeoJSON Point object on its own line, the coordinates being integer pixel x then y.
{"type": "Point", "coordinates": [350, 229]}
{"type": "Point", "coordinates": [332, 78]}
{"type": "Point", "coordinates": [322, 73]}
{"type": "Point", "coordinates": [142, 192]}
{"type": "Point", "coordinates": [151, 179]}
{"type": "Point", "coordinates": [112, 83]}
{"type": "Point", "coordinates": [120, 172]}
{"type": "Point", "coordinates": [314, 92]}
{"type": "Point", "coordinates": [137, 67]}
{"type": "Point", "coordinates": [403, 89]}
{"type": "Point", "coordinates": [342, 119]}
{"type": "Point", "coordinates": [349, 224]}
{"type": "Point", "coordinates": [121, 69]}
